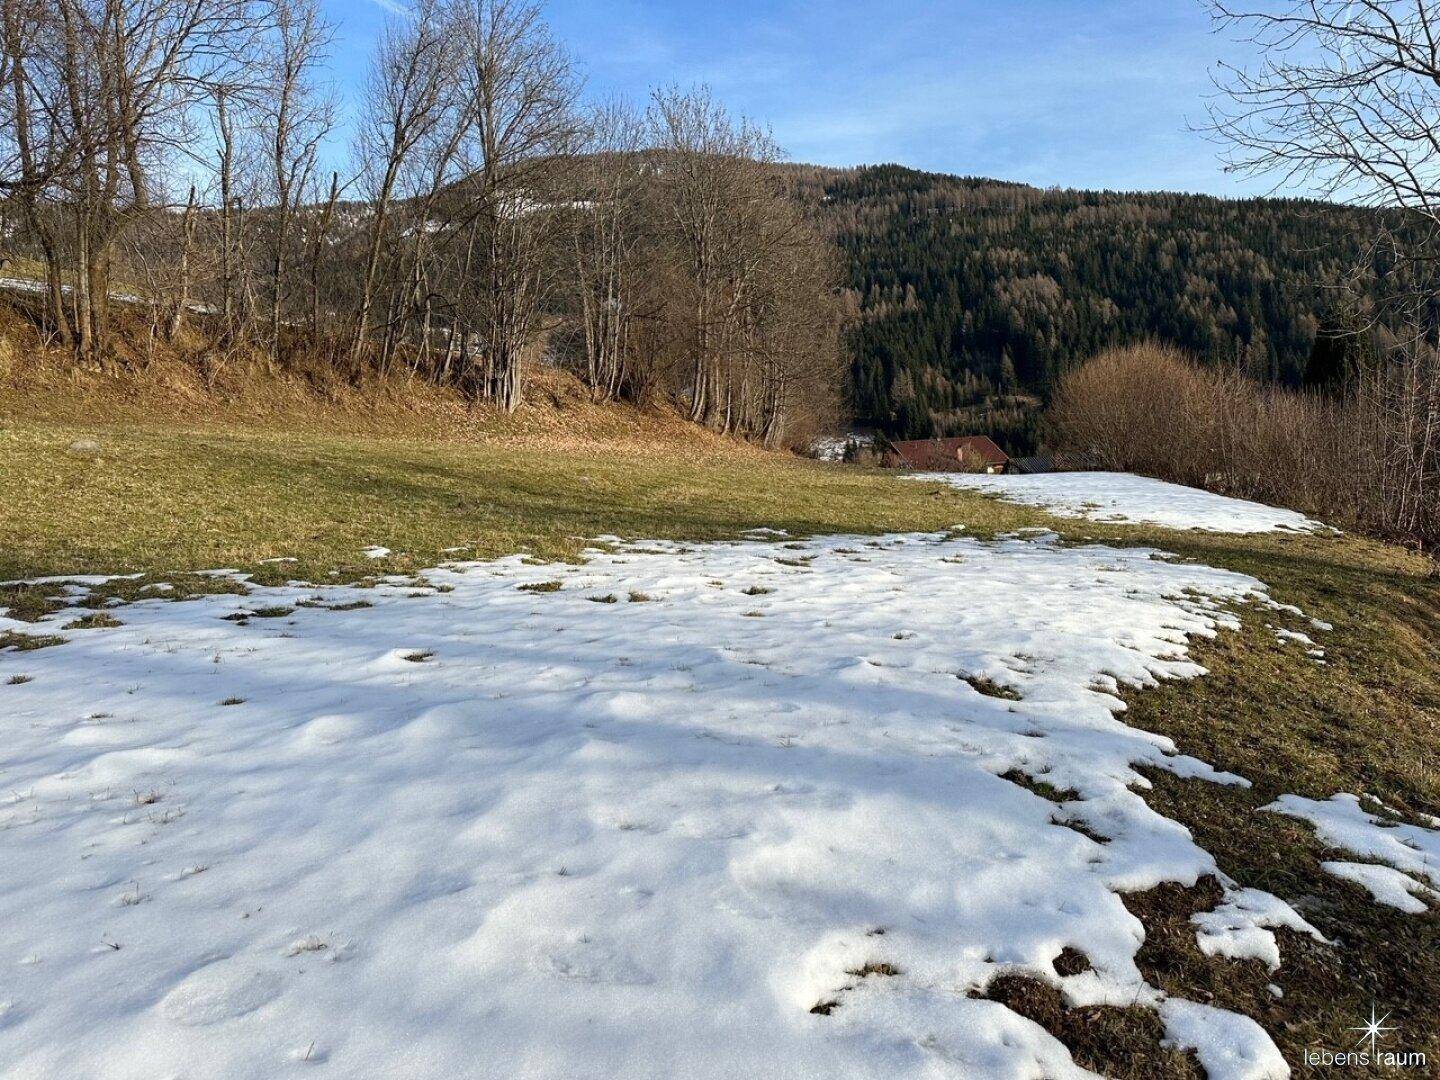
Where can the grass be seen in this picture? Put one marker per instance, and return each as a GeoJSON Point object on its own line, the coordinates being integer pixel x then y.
{"type": "Point", "coordinates": [99, 620]}
{"type": "Point", "coordinates": [162, 500]}
{"type": "Point", "coordinates": [1365, 722]}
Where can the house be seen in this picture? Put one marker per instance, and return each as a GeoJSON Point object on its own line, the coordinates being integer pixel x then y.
{"type": "Point", "coordinates": [972, 453]}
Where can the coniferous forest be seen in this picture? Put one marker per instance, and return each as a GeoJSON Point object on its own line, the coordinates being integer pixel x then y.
{"type": "Point", "coordinates": [970, 298]}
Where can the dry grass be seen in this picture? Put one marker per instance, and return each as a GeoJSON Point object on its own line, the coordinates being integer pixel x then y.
{"type": "Point", "coordinates": [1366, 722]}
{"type": "Point", "coordinates": [165, 499]}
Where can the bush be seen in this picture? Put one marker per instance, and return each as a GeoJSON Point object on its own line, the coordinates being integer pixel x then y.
{"type": "Point", "coordinates": [1367, 459]}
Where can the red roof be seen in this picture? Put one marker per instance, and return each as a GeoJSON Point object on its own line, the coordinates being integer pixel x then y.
{"type": "Point", "coordinates": [951, 454]}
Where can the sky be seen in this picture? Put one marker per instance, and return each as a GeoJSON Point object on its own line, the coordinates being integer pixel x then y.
{"type": "Point", "coordinates": [1067, 93]}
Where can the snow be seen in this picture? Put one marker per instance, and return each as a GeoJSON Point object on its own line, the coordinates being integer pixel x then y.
{"type": "Point", "coordinates": [1125, 498]}
{"type": "Point", "coordinates": [1226, 1043]}
{"type": "Point", "coordinates": [1385, 884]}
{"type": "Point", "coordinates": [1240, 928]}
{"type": "Point", "coordinates": [487, 832]}
{"type": "Point", "coordinates": [1411, 853]}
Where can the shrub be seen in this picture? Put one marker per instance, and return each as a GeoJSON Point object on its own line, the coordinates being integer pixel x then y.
{"type": "Point", "coordinates": [1366, 459]}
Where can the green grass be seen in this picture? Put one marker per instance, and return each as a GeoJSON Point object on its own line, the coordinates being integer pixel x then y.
{"type": "Point", "coordinates": [162, 501]}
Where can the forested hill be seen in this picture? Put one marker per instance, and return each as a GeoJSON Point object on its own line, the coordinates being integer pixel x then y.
{"type": "Point", "coordinates": [972, 296]}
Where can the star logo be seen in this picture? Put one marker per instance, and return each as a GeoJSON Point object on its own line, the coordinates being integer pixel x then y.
{"type": "Point", "coordinates": [1373, 1030]}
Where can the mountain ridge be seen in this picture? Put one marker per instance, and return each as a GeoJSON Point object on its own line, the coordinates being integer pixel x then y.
{"type": "Point", "coordinates": [971, 297]}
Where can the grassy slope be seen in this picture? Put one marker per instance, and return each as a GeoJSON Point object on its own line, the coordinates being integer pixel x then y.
{"type": "Point", "coordinates": [164, 500]}
{"type": "Point", "coordinates": [163, 496]}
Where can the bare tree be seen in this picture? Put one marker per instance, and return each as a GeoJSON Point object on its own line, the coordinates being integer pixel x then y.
{"type": "Point", "coordinates": [714, 180]}
{"type": "Point", "coordinates": [1343, 100]}
{"type": "Point", "coordinates": [1346, 100]}
{"type": "Point", "coordinates": [608, 242]}
{"type": "Point", "coordinates": [39, 148]}
{"type": "Point", "coordinates": [407, 98]}
{"type": "Point", "coordinates": [298, 117]}
{"type": "Point", "coordinates": [107, 86]}
{"type": "Point", "coordinates": [521, 88]}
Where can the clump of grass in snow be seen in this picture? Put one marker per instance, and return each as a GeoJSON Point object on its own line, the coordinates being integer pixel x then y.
{"type": "Point", "coordinates": [758, 590]}
{"type": "Point", "coordinates": [884, 970]}
{"type": "Point", "coordinates": [608, 598]}
{"type": "Point", "coordinates": [1071, 961]}
{"type": "Point", "coordinates": [871, 969]}
{"type": "Point", "coordinates": [320, 604]}
{"type": "Point", "coordinates": [420, 657]}
{"type": "Point", "coordinates": [19, 680]}
{"type": "Point", "coordinates": [132, 896]}
{"type": "Point", "coordinates": [990, 688]}
{"type": "Point", "coordinates": [29, 603]}
{"type": "Point", "coordinates": [232, 701]}
{"type": "Point", "coordinates": [542, 587]}
{"type": "Point", "coordinates": [641, 598]}
{"type": "Point", "coordinates": [100, 620]}
{"type": "Point", "coordinates": [1040, 787]}
{"type": "Point", "coordinates": [9, 639]}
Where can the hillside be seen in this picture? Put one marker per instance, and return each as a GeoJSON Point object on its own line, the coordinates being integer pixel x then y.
{"type": "Point", "coordinates": [540, 703]}
{"type": "Point", "coordinates": [973, 294]}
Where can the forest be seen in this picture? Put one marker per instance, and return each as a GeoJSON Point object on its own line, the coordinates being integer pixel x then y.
{"type": "Point", "coordinates": [969, 299]}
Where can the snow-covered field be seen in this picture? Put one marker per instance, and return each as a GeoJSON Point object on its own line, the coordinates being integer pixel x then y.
{"type": "Point", "coordinates": [1124, 498]}
{"type": "Point", "coordinates": [748, 819]}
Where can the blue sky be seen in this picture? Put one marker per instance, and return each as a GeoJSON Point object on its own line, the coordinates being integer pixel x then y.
{"type": "Point", "coordinates": [1073, 93]}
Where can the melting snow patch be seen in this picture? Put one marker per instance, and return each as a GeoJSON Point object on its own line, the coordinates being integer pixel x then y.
{"type": "Point", "coordinates": [1124, 498]}
{"type": "Point", "coordinates": [611, 837]}
{"type": "Point", "coordinates": [1342, 823]}
{"type": "Point", "coordinates": [1385, 884]}
{"type": "Point", "coordinates": [1229, 1046]}
{"type": "Point", "coordinates": [1241, 928]}
{"type": "Point", "coordinates": [375, 551]}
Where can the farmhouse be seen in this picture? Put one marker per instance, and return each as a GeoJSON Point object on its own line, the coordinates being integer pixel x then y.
{"type": "Point", "coordinates": [971, 453]}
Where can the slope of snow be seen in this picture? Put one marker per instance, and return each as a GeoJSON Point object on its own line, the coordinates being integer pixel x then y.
{"type": "Point", "coordinates": [641, 826]}
{"type": "Point", "coordinates": [1124, 498]}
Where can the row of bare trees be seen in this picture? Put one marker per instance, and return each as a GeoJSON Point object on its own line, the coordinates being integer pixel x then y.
{"type": "Point", "coordinates": [1366, 457]}
{"type": "Point", "coordinates": [178, 156]}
